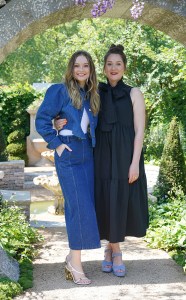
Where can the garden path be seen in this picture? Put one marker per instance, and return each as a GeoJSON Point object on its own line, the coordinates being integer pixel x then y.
{"type": "Point", "coordinates": [151, 273]}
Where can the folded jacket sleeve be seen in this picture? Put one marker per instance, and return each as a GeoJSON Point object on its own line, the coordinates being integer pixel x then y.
{"type": "Point", "coordinates": [48, 110]}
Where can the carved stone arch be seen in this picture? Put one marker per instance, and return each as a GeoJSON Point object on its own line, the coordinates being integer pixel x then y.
{"type": "Point", "coordinates": [22, 19]}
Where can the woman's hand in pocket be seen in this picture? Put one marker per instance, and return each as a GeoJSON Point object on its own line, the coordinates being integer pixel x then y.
{"type": "Point", "coordinates": [61, 148]}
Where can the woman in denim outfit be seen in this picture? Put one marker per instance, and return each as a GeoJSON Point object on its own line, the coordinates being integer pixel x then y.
{"type": "Point", "coordinates": [77, 101]}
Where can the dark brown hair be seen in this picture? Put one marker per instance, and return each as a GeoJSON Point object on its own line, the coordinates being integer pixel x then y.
{"type": "Point", "coordinates": [116, 49]}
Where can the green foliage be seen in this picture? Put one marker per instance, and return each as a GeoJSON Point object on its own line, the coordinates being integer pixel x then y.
{"type": "Point", "coordinates": [37, 102]}
{"type": "Point", "coordinates": [16, 148]}
{"type": "Point", "coordinates": [17, 151]}
{"type": "Point", "coordinates": [17, 237]}
{"type": "Point", "coordinates": [156, 64]}
{"type": "Point", "coordinates": [167, 228]}
{"type": "Point", "coordinates": [2, 145]}
{"type": "Point", "coordinates": [13, 102]}
{"type": "Point", "coordinates": [19, 240]}
{"type": "Point", "coordinates": [26, 274]}
{"type": "Point", "coordinates": [154, 143]}
{"type": "Point", "coordinates": [16, 136]}
{"type": "Point", "coordinates": [9, 289]}
{"type": "Point", "coordinates": [172, 172]}
{"type": "Point", "coordinates": [1, 200]}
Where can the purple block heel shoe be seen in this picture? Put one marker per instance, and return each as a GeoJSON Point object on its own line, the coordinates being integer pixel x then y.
{"type": "Point", "coordinates": [107, 265]}
{"type": "Point", "coordinates": [118, 270]}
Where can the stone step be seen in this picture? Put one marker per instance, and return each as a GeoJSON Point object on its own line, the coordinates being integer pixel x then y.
{"type": "Point", "coordinates": [28, 185]}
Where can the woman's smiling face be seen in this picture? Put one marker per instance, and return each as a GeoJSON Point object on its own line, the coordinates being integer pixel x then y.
{"type": "Point", "coordinates": [81, 70]}
{"type": "Point", "coordinates": [114, 68]}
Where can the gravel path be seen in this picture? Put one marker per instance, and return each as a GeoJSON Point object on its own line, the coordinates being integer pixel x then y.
{"type": "Point", "coordinates": [151, 273]}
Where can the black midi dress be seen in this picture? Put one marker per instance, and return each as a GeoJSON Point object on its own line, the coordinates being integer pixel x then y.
{"type": "Point", "coordinates": [121, 208]}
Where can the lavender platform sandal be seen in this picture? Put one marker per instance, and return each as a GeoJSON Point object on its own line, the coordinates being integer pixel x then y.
{"type": "Point", "coordinates": [118, 270]}
{"type": "Point", "coordinates": [107, 265]}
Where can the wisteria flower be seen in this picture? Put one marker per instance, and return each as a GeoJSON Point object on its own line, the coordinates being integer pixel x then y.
{"type": "Point", "coordinates": [100, 7]}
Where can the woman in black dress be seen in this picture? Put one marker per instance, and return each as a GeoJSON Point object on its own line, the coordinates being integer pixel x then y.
{"type": "Point", "coordinates": [120, 180]}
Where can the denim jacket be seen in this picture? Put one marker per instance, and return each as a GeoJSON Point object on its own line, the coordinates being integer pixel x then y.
{"type": "Point", "coordinates": [58, 102]}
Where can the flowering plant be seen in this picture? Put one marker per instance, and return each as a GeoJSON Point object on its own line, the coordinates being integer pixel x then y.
{"type": "Point", "coordinates": [100, 7]}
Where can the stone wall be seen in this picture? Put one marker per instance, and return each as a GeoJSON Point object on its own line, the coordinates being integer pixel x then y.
{"type": "Point", "coordinates": [22, 19]}
{"type": "Point", "coordinates": [13, 175]}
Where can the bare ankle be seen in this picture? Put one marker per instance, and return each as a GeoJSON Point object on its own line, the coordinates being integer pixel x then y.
{"type": "Point", "coordinates": [115, 247]}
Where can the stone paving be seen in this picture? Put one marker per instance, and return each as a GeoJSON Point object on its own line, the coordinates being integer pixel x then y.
{"type": "Point", "coordinates": [151, 273]}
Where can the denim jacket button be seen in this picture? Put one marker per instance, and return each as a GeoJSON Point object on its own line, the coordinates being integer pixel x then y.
{"type": "Point", "coordinates": [89, 109]}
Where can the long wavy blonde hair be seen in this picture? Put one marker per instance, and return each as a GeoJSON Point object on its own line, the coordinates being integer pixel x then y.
{"type": "Point", "coordinates": [91, 84]}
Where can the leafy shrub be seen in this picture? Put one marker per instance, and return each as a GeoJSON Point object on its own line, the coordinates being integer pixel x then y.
{"type": "Point", "coordinates": [16, 136]}
{"type": "Point", "coordinates": [26, 274]}
{"type": "Point", "coordinates": [16, 235]}
{"type": "Point", "coordinates": [14, 101]}
{"type": "Point", "coordinates": [154, 142]}
{"type": "Point", "coordinates": [9, 289]}
{"type": "Point", "coordinates": [37, 102]}
{"type": "Point", "coordinates": [1, 200]}
{"type": "Point", "coordinates": [172, 172]}
{"type": "Point", "coordinates": [2, 145]}
{"type": "Point", "coordinates": [16, 148]}
{"type": "Point", "coordinates": [17, 151]}
{"type": "Point", "coordinates": [18, 239]}
{"type": "Point", "coordinates": [167, 228]}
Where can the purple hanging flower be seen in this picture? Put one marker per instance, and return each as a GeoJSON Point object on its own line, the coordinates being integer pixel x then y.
{"type": "Point", "coordinates": [101, 6]}
{"type": "Point", "coordinates": [80, 2]}
{"type": "Point", "coordinates": [137, 8]}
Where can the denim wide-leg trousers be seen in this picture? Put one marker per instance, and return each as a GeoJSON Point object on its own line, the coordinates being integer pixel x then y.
{"type": "Point", "coordinates": [75, 170]}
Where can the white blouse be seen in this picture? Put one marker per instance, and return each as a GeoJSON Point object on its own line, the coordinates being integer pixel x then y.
{"type": "Point", "coordinates": [84, 124]}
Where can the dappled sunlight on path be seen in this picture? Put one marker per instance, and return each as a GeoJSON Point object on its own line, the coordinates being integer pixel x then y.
{"type": "Point", "coordinates": [151, 273]}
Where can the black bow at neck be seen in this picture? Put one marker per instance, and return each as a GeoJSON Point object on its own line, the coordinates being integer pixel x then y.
{"type": "Point", "coordinates": [108, 95]}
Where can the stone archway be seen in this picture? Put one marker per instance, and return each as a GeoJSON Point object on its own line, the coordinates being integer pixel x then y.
{"type": "Point", "coordinates": [22, 19]}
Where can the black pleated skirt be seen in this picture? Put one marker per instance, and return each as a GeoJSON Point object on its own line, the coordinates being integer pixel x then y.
{"type": "Point", "coordinates": [121, 208]}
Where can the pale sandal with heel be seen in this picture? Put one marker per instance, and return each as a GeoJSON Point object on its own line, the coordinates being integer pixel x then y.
{"type": "Point", "coordinates": [70, 272]}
